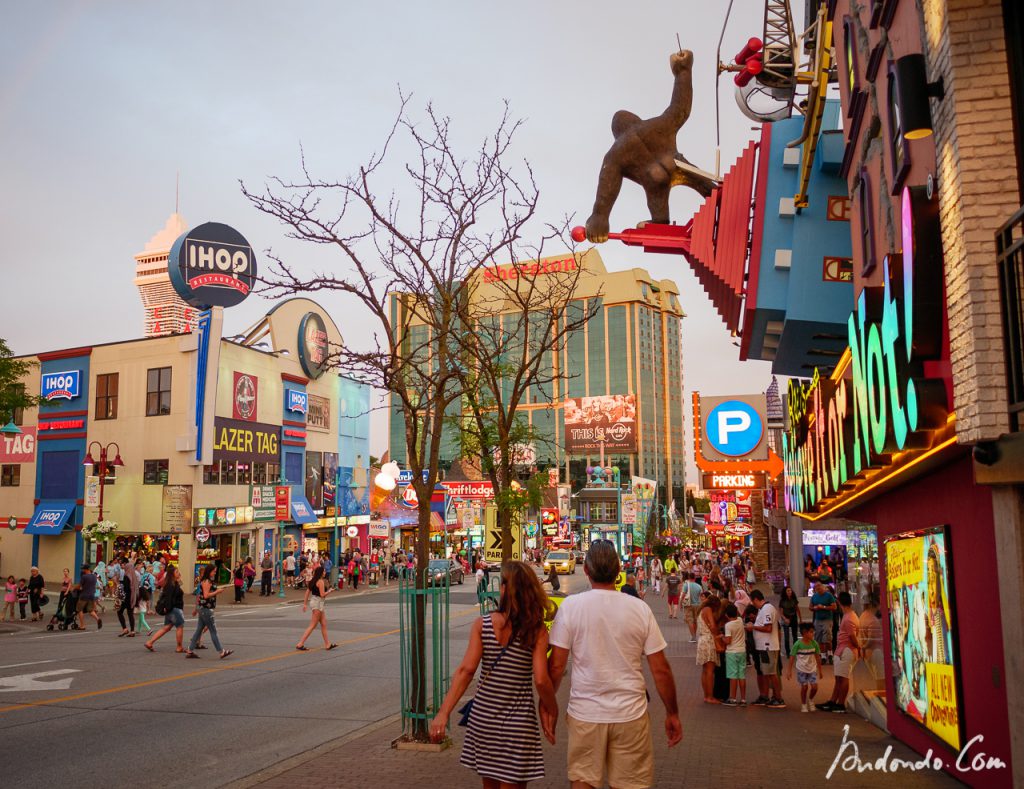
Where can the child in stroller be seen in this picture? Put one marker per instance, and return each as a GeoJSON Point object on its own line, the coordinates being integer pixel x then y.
{"type": "Point", "coordinates": [64, 617]}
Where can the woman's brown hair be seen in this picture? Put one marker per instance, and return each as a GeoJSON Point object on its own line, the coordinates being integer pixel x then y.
{"type": "Point", "coordinates": [523, 602]}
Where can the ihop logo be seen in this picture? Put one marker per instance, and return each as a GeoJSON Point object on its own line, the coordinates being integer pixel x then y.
{"type": "Point", "coordinates": [61, 386]}
{"type": "Point", "coordinates": [297, 401]}
{"type": "Point", "coordinates": [50, 517]}
{"type": "Point", "coordinates": [734, 428]}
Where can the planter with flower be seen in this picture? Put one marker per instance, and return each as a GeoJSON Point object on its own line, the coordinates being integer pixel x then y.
{"type": "Point", "coordinates": [98, 530]}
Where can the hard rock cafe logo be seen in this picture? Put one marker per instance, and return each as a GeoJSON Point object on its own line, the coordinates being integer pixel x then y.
{"type": "Point", "coordinates": [618, 431]}
{"type": "Point", "coordinates": [245, 397]}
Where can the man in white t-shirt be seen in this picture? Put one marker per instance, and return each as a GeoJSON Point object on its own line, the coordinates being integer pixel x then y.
{"type": "Point", "coordinates": [766, 642]}
{"type": "Point", "coordinates": [607, 633]}
{"type": "Point", "coordinates": [289, 569]}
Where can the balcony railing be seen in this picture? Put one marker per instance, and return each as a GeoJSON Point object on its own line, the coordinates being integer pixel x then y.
{"type": "Point", "coordinates": [1010, 260]}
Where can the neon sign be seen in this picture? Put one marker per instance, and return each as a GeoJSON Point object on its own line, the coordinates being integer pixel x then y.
{"type": "Point", "coordinates": [842, 428]}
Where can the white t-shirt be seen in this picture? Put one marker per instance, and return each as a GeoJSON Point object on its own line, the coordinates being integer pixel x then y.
{"type": "Point", "coordinates": [607, 632]}
{"type": "Point", "coordinates": [767, 615]}
{"type": "Point", "coordinates": [289, 563]}
{"type": "Point", "coordinates": [479, 575]}
{"type": "Point", "coordinates": [736, 636]}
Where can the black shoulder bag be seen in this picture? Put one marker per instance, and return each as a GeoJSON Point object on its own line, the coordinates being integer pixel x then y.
{"type": "Point", "coordinates": [467, 708]}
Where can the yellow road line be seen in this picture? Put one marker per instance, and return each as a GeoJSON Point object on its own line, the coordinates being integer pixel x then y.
{"type": "Point", "coordinates": [201, 672]}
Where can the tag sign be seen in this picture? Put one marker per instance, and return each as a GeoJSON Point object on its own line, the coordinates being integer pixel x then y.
{"type": "Point", "coordinates": [61, 386]}
{"type": "Point", "coordinates": [297, 401]}
{"type": "Point", "coordinates": [212, 265]}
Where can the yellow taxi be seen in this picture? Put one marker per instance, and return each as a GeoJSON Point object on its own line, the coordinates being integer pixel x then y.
{"type": "Point", "coordinates": [563, 562]}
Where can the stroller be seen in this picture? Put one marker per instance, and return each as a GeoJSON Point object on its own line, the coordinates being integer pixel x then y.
{"type": "Point", "coordinates": [64, 617]}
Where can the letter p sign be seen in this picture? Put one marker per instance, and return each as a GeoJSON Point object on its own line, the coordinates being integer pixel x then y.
{"type": "Point", "coordinates": [734, 428]}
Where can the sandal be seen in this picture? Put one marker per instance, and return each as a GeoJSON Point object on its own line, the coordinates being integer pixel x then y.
{"type": "Point", "coordinates": [332, 646]}
{"type": "Point", "coordinates": [302, 648]}
{"type": "Point", "coordinates": [201, 646]}
{"type": "Point", "coordinates": [226, 652]}
{"type": "Point", "coordinates": [191, 655]}
{"type": "Point", "coordinates": [149, 646]}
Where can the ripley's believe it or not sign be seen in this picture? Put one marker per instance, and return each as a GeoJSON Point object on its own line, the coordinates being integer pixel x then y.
{"type": "Point", "coordinates": [212, 265]}
{"type": "Point", "coordinates": [883, 403]}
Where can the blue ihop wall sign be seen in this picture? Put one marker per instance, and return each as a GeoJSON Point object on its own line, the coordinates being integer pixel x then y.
{"type": "Point", "coordinates": [65, 385]}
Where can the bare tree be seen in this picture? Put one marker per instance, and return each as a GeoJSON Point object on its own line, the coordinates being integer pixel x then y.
{"type": "Point", "coordinates": [409, 266]}
{"type": "Point", "coordinates": [520, 316]}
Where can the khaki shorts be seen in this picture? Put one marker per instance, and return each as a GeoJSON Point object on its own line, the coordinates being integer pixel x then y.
{"type": "Point", "coordinates": [844, 663]}
{"type": "Point", "coordinates": [316, 603]}
{"type": "Point", "coordinates": [624, 750]}
{"type": "Point", "coordinates": [84, 606]}
{"type": "Point", "coordinates": [690, 614]}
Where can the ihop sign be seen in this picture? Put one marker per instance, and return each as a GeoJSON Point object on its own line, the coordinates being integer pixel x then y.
{"type": "Point", "coordinates": [61, 386]}
{"type": "Point", "coordinates": [212, 265]}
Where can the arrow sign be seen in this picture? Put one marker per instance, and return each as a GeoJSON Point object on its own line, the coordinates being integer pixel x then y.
{"type": "Point", "coordinates": [29, 683]}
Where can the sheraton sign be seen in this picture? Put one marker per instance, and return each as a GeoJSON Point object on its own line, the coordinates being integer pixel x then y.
{"type": "Point", "coordinates": [884, 403]}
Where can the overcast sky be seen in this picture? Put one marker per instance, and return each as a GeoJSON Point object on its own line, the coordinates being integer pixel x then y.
{"type": "Point", "coordinates": [101, 104]}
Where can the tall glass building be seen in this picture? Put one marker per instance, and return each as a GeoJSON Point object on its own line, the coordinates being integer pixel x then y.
{"type": "Point", "coordinates": [631, 345]}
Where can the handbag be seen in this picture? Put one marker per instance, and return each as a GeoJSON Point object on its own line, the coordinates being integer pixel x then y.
{"type": "Point", "coordinates": [467, 708]}
{"type": "Point", "coordinates": [43, 600]}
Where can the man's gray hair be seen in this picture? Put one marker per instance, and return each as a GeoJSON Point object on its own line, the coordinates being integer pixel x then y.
{"type": "Point", "coordinates": [602, 563]}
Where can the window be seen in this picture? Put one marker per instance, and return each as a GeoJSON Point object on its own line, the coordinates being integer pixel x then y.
{"type": "Point", "coordinates": [273, 473]}
{"type": "Point", "coordinates": [10, 476]}
{"type": "Point", "coordinates": [111, 472]}
{"type": "Point", "coordinates": [294, 468]}
{"type": "Point", "coordinates": [227, 472]}
{"type": "Point", "coordinates": [259, 473]}
{"type": "Point", "coordinates": [19, 416]}
{"type": "Point", "coordinates": [106, 396]}
{"type": "Point", "coordinates": [154, 472]}
{"type": "Point", "coordinates": [158, 391]}
{"type": "Point", "coordinates": [244, 473]}
{"type": "Point", "coordinates": [867, 225]}
{"type": "Point", "coordinates": [211, 474]}
{"type": "Point", "coordinates": [59, 474]}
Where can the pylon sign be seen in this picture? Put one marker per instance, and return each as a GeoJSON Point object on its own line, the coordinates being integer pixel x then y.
{"type": "Point", "coordinates": [493, 542]}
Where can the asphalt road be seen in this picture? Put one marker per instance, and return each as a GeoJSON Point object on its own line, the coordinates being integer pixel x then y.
{"type": "Point", "coordinates": [124, 716]}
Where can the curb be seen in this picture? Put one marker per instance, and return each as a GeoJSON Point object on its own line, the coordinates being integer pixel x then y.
{"type": "Point", "coordinates": [300, 759]}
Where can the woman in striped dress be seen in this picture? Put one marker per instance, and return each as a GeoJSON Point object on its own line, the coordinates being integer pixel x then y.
{"type": "Point", "coordinates": [503, 735]}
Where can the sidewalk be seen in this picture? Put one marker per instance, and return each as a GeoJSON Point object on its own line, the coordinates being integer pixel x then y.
{"type": "Point", "coordinates": [722, 746]}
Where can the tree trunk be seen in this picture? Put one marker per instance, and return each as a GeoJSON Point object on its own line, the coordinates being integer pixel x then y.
{"type": "Point", "coordinates": [505, 524]}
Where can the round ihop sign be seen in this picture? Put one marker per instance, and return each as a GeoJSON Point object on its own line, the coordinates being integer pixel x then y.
{"type": "Point", "coordinates": [734, 428]}
{"type": "Point", "coordinates": [313, 345]}
{"type": "Point", "coordinates": [212, 265]}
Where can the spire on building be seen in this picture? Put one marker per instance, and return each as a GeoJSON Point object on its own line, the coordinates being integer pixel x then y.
{"type": "Point", "coordinates": [165, 312]}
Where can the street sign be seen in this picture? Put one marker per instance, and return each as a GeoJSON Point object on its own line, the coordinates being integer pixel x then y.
{"type": "Point", "coordinates": [493, 543]}
{"type": "Point", "coordinates": [282, 503]}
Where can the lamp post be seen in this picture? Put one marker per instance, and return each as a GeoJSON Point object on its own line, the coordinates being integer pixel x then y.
{"type": "Point", "coordinates": [103, 463]}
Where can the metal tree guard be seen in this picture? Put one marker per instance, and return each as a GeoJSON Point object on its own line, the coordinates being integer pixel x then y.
{"type": "Point", "coordinates": [424, 639]}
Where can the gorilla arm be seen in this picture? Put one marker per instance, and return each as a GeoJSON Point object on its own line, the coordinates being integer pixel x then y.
{"type": "Point", "coordinates": [609, 182]}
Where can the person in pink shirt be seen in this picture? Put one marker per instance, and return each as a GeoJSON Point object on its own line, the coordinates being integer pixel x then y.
{"type": "Point", "coordinates": [10, 598]}
{"type": "Point", "coordinates": [848, 649]}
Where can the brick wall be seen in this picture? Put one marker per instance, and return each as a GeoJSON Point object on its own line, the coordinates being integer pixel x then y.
{"type": "Point", "coordinates": [977, 184]}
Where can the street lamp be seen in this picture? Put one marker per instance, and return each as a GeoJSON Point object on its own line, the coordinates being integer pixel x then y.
{"type": "Point", "coordinates": [10, 429]}
{"type": "Point", "coordinates": [103, 464]}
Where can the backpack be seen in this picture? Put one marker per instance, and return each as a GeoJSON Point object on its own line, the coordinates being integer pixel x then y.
{"type": "Point", "coordinates": [163, 605]}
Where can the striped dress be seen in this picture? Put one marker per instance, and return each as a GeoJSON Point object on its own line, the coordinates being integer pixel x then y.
{"type": "Point", "coordinates": [503, 735]}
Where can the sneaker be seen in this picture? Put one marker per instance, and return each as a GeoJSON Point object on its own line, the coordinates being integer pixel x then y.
{"type": "Point", "coordinates": [760, 701]}
{"type": "Point", "coordinates": [826, 707]}
{"type": "Point", "coordinates": [731, 703]}
{"type": "Point", "coordinates": [803, 708]}
{"type": "Point", "coordinates": [811, 706]}
{"type": "Point", "coordinates": [693, 640]}
{"type": "Point", "coordinates": [742, 703]}
{"type": "Point", "coordinates": [838, 708]}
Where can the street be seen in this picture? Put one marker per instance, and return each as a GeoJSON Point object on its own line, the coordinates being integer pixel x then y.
{"type": "Point", "coordinates": [254, 718]}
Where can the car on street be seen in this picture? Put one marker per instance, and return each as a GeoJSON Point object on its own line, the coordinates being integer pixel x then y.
{"type": "Point", "coordinates": [580, 557]}
{"type": "Point", "coordinates": [563, 562]}
{"type": "Point", "coordinates": [438, 567]}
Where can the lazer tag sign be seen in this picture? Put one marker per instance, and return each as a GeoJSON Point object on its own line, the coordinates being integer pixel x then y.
{"type": "Point", "coordinates": [493, 543]}
{"type": "Point", "coordinates": [733, 427]}
{"type": "Point", "coordinates": [61, 386]}
{"type": "Point", "coordinates": [212, 266]}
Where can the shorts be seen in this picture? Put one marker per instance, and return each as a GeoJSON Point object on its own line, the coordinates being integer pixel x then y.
{"type": "Point", "coordinates": [673, 599]}
{"type": "Point", "coordinates": [843, 663]}
{"type": "Point", "coordinates": [769, 661]}
{"type": "Point", "coordinates": [807, 677]}
{"type": "Point", "coordinates": [84, 606]}
{"type": "Point", "coordinates": [289, 573]}
{"type": "Point", "coordinates": [175, 618]}
{"type": "Point", "coordinates": [736, 665]}
{"type": "Point", "coordinates": [690, 614]}
{"type": "Point", "coordinates": [823, 631]}
{"type": "Point", "coordinates": [316, 603]}
{"type": "Point", "coordinates": [624, 750]}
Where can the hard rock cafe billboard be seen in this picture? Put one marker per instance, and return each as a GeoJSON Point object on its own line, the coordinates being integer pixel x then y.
{"type": "Point", "coordinates": [607, 421]}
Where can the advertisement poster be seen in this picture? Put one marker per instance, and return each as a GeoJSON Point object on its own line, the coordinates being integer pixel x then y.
{"type": "Point", "coordinates": [244, 397]}
{"type": "Point", "coordinates": [923, 631]}
{"type": "Point", "coordinates": [314, 479]}
{"type": "Point", "coordinates": [608, 420]}
{"type": "Point", "coordinates": [19, 447]}
{"type": "Point", "coordinates": [176, 510]}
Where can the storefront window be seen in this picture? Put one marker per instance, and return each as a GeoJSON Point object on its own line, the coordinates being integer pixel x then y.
{"type": "Point", "coordinates": [259, 473]}
{"type": "Point", "coordinates": [273, 473]}
{"type": "Point", "coordinates": [154, 472]}
{"type": "Point", "coordinates": [211, 474]}
{"type": "Point", "coordinates": [227, 472]}
{"type": "Point", "coordinates": [244, 473]}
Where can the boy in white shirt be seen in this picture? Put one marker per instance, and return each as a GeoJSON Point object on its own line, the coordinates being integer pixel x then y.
{"type": "Point", "coordinates": [735, 658]}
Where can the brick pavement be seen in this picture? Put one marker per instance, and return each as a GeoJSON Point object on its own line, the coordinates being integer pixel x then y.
{"type": "Point", "coordinates": [722, 746]}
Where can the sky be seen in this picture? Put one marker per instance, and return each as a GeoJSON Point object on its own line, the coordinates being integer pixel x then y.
{"type": "Point", "coordinates": [104, 104]}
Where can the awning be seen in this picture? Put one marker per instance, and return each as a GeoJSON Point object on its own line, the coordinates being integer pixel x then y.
{"type": "Point", "coordinates": [50, 517]}
{"type": "Point", "coordinates": [302, 510]}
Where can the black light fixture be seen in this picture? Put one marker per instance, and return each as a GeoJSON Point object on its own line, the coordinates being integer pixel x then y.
{"type": "Point", "coordinates": [913, 91]}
